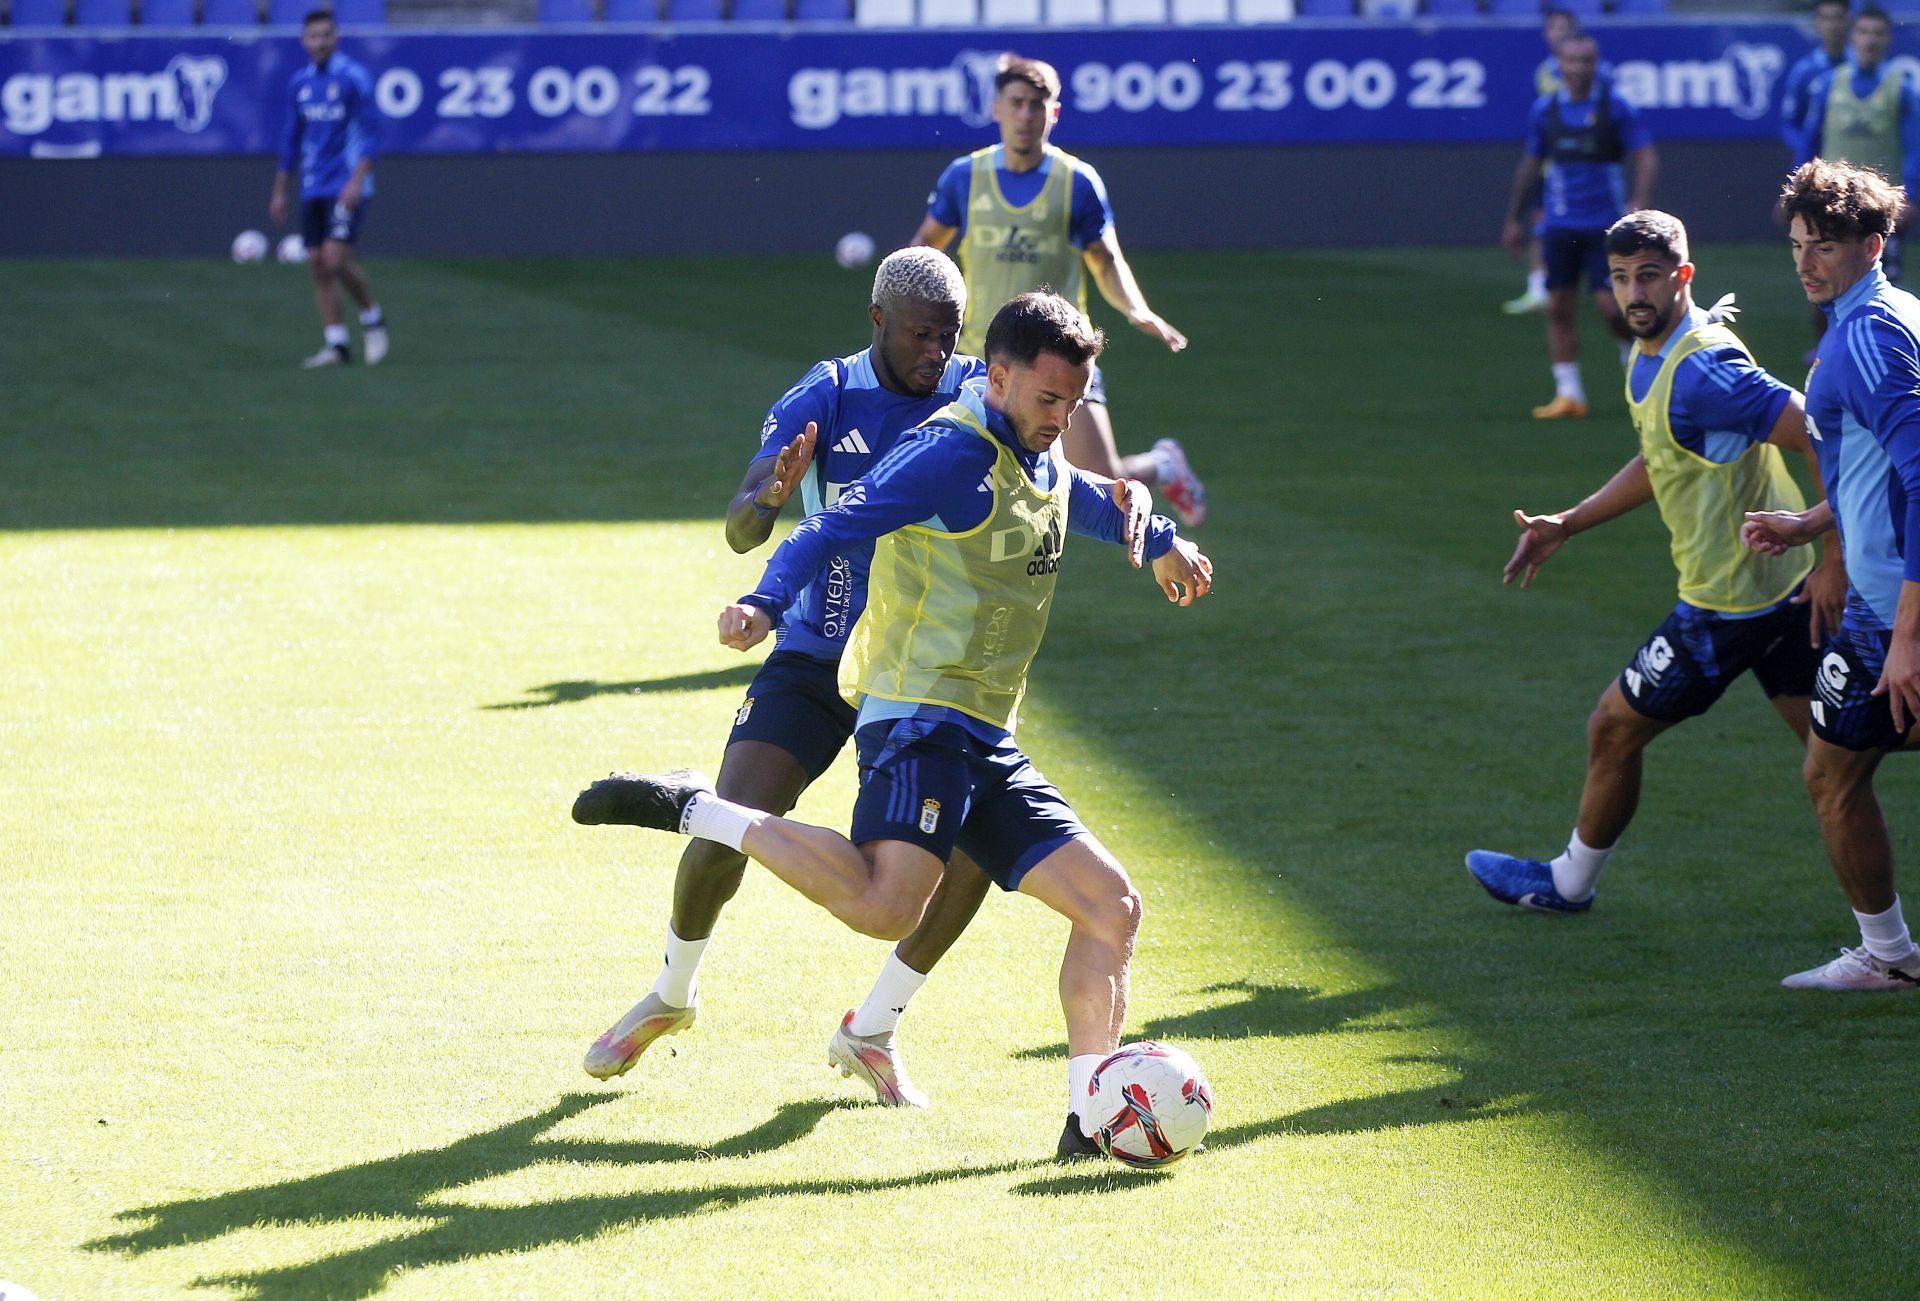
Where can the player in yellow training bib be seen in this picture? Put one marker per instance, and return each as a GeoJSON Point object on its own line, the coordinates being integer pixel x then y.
{"type": "Point", "coordinates": [1710, 424]}
{"type": "Point", "coordinates": [970, 518]}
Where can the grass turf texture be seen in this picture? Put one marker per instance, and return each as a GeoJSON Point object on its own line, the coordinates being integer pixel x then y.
{"type": "Point", "coordinates": [301, 953]}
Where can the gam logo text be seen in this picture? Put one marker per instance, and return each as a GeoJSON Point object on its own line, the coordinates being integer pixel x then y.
{"type": "Point", "coordinates": [183, 94]}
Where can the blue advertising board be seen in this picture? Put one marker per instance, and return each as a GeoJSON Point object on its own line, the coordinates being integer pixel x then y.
{"type": "Point", "coordinates": [603, 89]}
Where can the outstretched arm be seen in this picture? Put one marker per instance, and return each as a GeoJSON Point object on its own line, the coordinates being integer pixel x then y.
{"type": "Point", "coordinates": [1118, 286]}
{"type": "Point", "coordinates": [1542, 535]}
{"type": "Point", "coordinates": [770, 483]}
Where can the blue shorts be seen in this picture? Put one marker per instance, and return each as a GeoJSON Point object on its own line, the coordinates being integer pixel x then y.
{"type": "Point", "coordinates": [324, 219]}
{"type": "Point", "coordinates": [1693, 657]}
{"type": "Point", "coordinates": [1846, 713]}
{"type": "Point", "coordinates": [1097, 386]}
{"type": "Point", "coordinates": [1568, 250]}
{"type": "Point", "coordinates": [936, 785]}
{"type": "Point", "coordinates": [794, 702]}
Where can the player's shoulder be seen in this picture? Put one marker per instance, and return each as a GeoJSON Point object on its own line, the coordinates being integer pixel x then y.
{"type": "Point", "coordinates": [960, 368]}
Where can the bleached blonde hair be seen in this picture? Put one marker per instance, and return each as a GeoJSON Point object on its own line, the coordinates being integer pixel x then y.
{"type": "Point", "coordinates": [918, 275]}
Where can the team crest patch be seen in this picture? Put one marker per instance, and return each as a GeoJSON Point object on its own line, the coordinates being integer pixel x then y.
{"type": "Point", "coordinates": [929, 816]}
{"type": "Point", "coordinates": [740, 715]}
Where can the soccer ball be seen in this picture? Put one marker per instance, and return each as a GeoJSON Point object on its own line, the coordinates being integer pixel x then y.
{"type": "Point", "coordinates": [249, 246]}
{"type": "Point", "coordinates": [855, 249]}
{"type": "Point", "coordinates": [292, 249]}
{"type": "Point", "coordinates": [1149, 1104]}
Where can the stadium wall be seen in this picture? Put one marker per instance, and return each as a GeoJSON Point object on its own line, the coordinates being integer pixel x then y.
{"type": "Point", "coordinates": [668, 203]}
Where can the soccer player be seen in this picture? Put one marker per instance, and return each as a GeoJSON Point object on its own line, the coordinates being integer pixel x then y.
{"type": "Point", "coordinates": [971, 514]}
{"type": "Point", "coordinates": [332, 134]}
{"type": "Point", "coordinates": [1863, 409]}
{"type": "Point", "coordinates": [824, 434]}
{"type": "Point", "coordinates": [1555, 26]}
{"type": "Point", "coordinates": [1710, 422]}
{"type": "Point", "coordinates": [1030, 216]}
{"type": "Point", "coordinates": [1830, 21]}
{"type": "Point", "coordinates": [1583, 130]}
{"type": "Point", "coordinates": [1867, 112]}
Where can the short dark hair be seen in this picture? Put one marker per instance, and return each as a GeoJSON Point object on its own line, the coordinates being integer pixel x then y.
{"type": "Point", "coordinates": [316, 16]}
{"type": "Point", "coordinates": [1038, 73]}
{"type": "Point", "coordinates": [1648, 230]}
{"type": "Point", "coordinates": [1872, 11]}
{"type": "Point", "coordinates": [1831, 4]}
{"type": "Point", "coordinates": [1039, 322]}
{"type": "Point", "coordinates": [1841, 201]}
{"type": "Point", "coordinates": [1555, 11]}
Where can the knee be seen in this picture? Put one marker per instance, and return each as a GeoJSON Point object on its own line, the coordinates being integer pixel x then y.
{"type": "Point", "coordinates": [1829, 787]}
{"type": "Point", "coordinates": [317, 264]}
{"type": "Point", "coordinates": [1115, 918]}
{"type": "Point", "coordinates": [1609, 736]}
{"type": "Point", "coordinates": [332, 255]}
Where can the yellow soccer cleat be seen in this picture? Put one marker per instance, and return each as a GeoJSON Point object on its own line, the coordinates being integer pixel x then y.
{"type": "Point", "coordinates": [1561, 408]}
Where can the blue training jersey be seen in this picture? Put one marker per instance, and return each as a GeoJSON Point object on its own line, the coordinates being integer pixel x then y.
{"type": "Point", "coordinates": [859, 420]}
{"type": "Point", "coordinates": [1796, 98]}
{"type": "Point", "coordinates": [1722, 403]}
{"type": "Point", "coordinates": [1578, 194]}
{"type": "Point", "coordinates": [332, 123]}
{"type": "Point", "coordinates": [1863, 410]}
{"type": "Point", "coordinates": [935, 476]}
{"type": "Point", "coordinates": [1092, 213]}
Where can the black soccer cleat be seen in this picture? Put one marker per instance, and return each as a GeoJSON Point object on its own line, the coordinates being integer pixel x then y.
{"type": "Point", "coordinates": [1074, 1145]}
{"type": "Point", "coordinates": [631, 800]}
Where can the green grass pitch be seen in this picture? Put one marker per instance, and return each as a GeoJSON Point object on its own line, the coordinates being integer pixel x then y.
{"type": "Point", "coordinates": [300, 952]}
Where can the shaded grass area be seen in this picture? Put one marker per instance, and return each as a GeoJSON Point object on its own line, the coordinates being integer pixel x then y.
{"type": "Point", "coordinates": [324, 962]}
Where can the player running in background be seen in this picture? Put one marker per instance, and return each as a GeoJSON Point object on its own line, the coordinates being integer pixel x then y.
{"type": "Point", "coordinates": [1710, 422]}
{"type": "Point", "coordinates": [332, 134]}
{"type": "Point", "coordinates": [971, 514]}
{"type": "Point", "coordinates": [1583, 130]}
{"type": "Point", "coordinates": [1030, 216]}
{"type": "Point", "coordinates": [1863, 409]}
{"type": "Point", "coordinates": [1867, 112]}
{"type": "Point", "coordinates": [823, 435]}
{"type": "Point", "coordinates": [1830, 22]}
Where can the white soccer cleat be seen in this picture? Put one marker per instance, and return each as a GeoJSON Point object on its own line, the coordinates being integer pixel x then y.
{"type": "Point", "coordinates": [620, 1047]}
{"type": "Point", "coordinates": [1856, 969]}
{"type": "Point", "coordinates": [874, 1058]}
{"type": "Point", "coordinates": [331, 355]}
{"type": "Point", "coordinates": [373, 345]}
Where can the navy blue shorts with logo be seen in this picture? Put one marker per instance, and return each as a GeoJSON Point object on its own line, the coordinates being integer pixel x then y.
{"type": "Point", "coordinates": [1567, 251]}
{"type": "Point", "coordinates": [936, 785]}
{"type": "Point", "coordinates": [1846, 713]}
{"type": "Point", "coordinates": [324, 219]}
{"type": "Point", "coordinates": [1693, 657]}
{"type": "Point", "coordinates": [794, 702]}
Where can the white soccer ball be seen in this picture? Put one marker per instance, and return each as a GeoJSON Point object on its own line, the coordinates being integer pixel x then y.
{"type": "Point", "coordinates": [292, 249]}
{"type": "Point", "coordinates": [1149, 1104]}
{"type": "Point", "coordinates": [14, 1292]}
{"type": "Point", "coordinates": [249, 246]}
{"type": "Point", "coordinates": [855, 249]}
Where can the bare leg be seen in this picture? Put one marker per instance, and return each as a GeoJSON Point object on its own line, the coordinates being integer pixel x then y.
{"type": "Point", "coordinates": [1563, 327]}
{"type": "Point", "coordinates": [347, 269]}
{"type": "Point", "coordinates": [879, 889]}
{"type": "Point", "coordinates": [1851, 823]}
{"type": "Point", "coordinates": [1090, 445]}
{"type": "Point", "coordinates": [1611, 314]}
{"type": "Point", "coordinates": [760, 776]}
{"type": "Point", "coordinates": [962, 889]}
{"type": "Point", "coordinates": [1085, 884]}
{"type": "Point", "coordinates": [1794, 710]}
{"type": "Point", "coordinates": [1617, 735]}
{"type": "Point", "coordinates": [326, 294]}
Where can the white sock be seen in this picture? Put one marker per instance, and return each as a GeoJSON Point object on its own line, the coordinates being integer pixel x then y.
{"type": "Point", "coordinates": [708, 817]}
{"type": "Point", "coordinates": [1079, 1075]}
{"type": "Point", "coordinates": [895, 988]}
{"type": "Point", "coordinates": [1885, 934]}
{"type": "Point", "coordinates": [336, 336]}
{"type": "Point", "coordinates": [1566, 380]}
{"type": "Point", "coordinates": [680, 973]}
{"type": "Point", "coordinates": [371, 317]}
{"type": "Point", "coordinates": [1575, 871]}
{"type": "Point", "coordinates": [1537, 283]}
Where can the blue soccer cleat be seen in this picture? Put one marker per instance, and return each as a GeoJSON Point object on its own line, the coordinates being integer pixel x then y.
{"type": "Point", "coordinates": [1526, 882]}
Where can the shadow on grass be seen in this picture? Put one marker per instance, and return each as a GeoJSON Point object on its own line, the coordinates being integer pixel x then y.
{"type": "Point", "coordinates": [1267, 1010]}
{"type": "Point", "coordinates": [572, 693]}
{"type": "Point", "coordinates": [412, 1187]}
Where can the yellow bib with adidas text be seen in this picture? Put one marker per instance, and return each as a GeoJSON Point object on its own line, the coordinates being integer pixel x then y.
{"type": "Point", "coordinates": [1704, 502]}
{"type": "Point", "coordinates": [955, 619]}
{"type": "Point", "coordinates": [1008, 251]}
